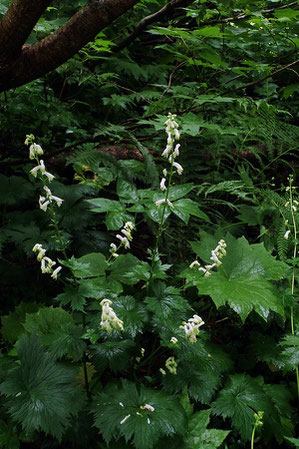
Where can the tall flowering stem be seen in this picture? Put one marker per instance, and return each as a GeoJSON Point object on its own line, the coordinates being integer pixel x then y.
{"type": "Point", "coordinates": [47, 201]}
{"type": "Point", "coordinates": [292, 204]}
{"type": "Point", "coordinates": [171, 152]}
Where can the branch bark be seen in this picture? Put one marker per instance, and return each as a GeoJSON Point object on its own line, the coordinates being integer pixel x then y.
{"type": "Point", "coordinates": [55, 49]}
{"type": "Point", "coordinates": [150, 19]}
{"type": "Point", "coordinates": [17, 25]}
{"type": "Point", "coordinates": [246, 16]}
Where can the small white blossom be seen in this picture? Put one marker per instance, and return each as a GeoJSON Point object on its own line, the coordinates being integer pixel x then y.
{"type": "Point", "coordinates": [35, 150]}
{"type": "Point", "coordinates": [178, 167]}
{"type": "Point", "coordinates": [124, 241]}
{"type": "Point", "coordinates": [55, 273]}
{"type": "Point", "coordinates": [41, 251]}
{"type": "Point", "coordinates": [43, 203]}
{"type": "Point", "coordinates": [125, 419]}
{"type": "Point", "coordinates": [191, 328]}
{"type": "Point", "coordinates": [162, 184]}
{"type": "Point", "coordinates": [43, 171]}
{"type": "Point", "coordinates": [176, 151]}
{"type": "Point", "coordinates": [167, 151]}
{"type": "Point", "coordinates": [121, 404]}
{"type": "Point", "coordinates": [286, 236]}
{"type": "Point", "coordinates": [147, 407]}
{"type": "Point", "coordinates": [176, 134]}
{"type": "Point", "coordinates": [164, 172]}
{"type": "Point", "coordinates": [173, 340]}
{"type": "Point", "coordinates": [163, 200]}
{"type": "Point", "coordinates": [195, 263]}
{"type": "Point", "coordinates": [109, 319]}
{"type": "Point", "coordinates": [47, 264]}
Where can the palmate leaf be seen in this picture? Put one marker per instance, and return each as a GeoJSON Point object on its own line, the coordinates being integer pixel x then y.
{"type": "Point", "coordinates": [199, 437]}
{"type": "Point", "coordinates": [164, 300]}
{"type": "Point", "coordinates": [40, 394]}
{"type": "Point", "coordinates": [244, 395]}
{"type": "Point", "coordinates": [112, 354]}
{"type": "Point", "coordinates": [200, 369]}
{"type": "Point", "coordinates": [57, 330]}
{"type": "Point", "coordinates": [290, 345]}
{"type": "Point", "coordinates": [242, 281]}
{"type": "Point", "coordinates": [12, 324]}
{"type": "Point", "coordinates": [142, 427]}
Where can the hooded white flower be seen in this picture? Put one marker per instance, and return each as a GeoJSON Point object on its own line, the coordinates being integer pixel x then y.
{"type": "Point", "coordinates": [109, 319]}
{"type": "Point", "coordinates": [35, 150]}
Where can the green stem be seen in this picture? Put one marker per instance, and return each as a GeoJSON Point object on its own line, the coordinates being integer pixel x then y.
{"type": "Point", "coordinates": [293, 273]}
{"type": "Point", "coordinates": [160, 229]}
{"type": "Point", "coordinates": [252, 438]}
{"type": "Point", "coordinates": [86, 381]}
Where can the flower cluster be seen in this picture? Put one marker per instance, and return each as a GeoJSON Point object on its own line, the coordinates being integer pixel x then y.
{"type": "Point", "coordinates": [171, 152]}
{"type": "Point", "coordinates": [171, 365]}
{"type": "Point", "coordinates": [44, 201]}
{"type": "Point", "coordinates": [216, 256]}
{"type": "Point", "coordinates": [191, 327]}
{"type": "Point", "coordinates": [34, 152]}
{"type": "Point", "coordinates": [125, 238]}
{"type": "Point", "coordinates": [148, 407]}
{"type": "Point", "coordinates": [109, 319]}
{"type": "Point", "coordinates": [47, 264]}
{"type": "Point", "coordinates": [40, 168]}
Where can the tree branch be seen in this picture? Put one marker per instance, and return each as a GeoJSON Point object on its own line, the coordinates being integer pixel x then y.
{"type": "Point", "coordinates": [148, 20]}
{"type": "Point", "coordinates": [246, 16]}
{"type": "Point", "coordinates": [254, 83]}
{"type": "Point", "coordinates": [55, 49]}
{"type": "Point", "coordinates": [17, 25]}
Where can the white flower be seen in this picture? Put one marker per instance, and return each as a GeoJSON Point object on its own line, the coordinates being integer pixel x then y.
{"type": "Point", "coordinates": [127, 234]}
{"type": "Point", "coordinates": [41, 251]}
{"type": "Point", "coordinates": [113, 247]}
{"type": "Point", "coordinates": [162, 184]}
{"type": "Point", "coordinates": [191, 328]}
{"type": "Point", "coordinates": [109, 319]}
{"type": "Point", "coordinates": [55, 272]}
{"type": "Point", "coordinates": [43, 171]}
{"type": "Point", "coordinates": [163, 200]}
{"type": "Point", "coordinates": [178, 167]}
{"type": "Point", "coordinates": [286, 236]}
{"type": "Point", "coordinates": [173, 340]}
{"type": "Point", "coordinates": [195, 263]}
{"type": "Point", "coordinates": [176, 151]}
{"type": "Point", "coordinates": [125, 419]}
{"type": "Point", "coordinates": [147, 407]}
{"type": "Point", "coordinates": [167, 151]}
{"type": "Point", "coordinates": [34, 150]}
{"type": "Point", "coordinates": [129, 226]}
{"type": "Point", "coordinates": [57, 200]}
{"type": "Point", "coordinates": [121, 404]}
{"type": "Point", "coordinates": [164, 172]}
{"type": "Point", "coordinates": [124, 241]}
{"type": "Point", "coordinates": [47, 264]}
{"type": "Point", "coordinates": [176, 134]}
{"type": "Point", "coordinates": [43, 203]}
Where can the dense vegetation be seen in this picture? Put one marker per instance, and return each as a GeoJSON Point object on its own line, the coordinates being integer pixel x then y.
{"type": "Point", "coordinates": [149, 290]}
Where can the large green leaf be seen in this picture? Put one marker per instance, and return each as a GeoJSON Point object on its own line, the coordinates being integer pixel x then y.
{"type": "Point", "coordinates": [199, 437]}
{"type": "Point", "coordinates": [57, 330]}
{"type": "Point", "coordinates": [40, 393]}
{"type": "Point", "coordinates": [243, 396]}
{"type": "Point", "coordinates": [242, 281]}
{"type": "Point", "coordinates": [119, 412]}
